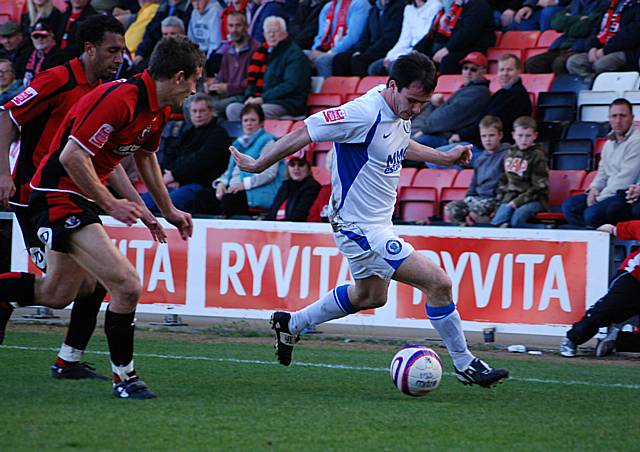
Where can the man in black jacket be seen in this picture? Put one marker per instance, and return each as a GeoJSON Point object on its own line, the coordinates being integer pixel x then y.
{"type": "Point", "coordinates": [14, 46]}
{"type": "Point", "coordinates": [199, 156]}
{"type": "Point", "coordinates": [382, 31]}
{"type": "Point", "coordinates": [76, 12]}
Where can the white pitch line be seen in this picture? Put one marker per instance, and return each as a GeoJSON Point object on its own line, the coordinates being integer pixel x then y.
{"type": "Point", "coordinates": [328, 366]}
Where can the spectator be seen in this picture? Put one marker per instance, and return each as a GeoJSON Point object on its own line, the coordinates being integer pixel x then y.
{"type": "Point", "coordinates": [231, 80]}
{"type": "Point", "coordinates": [340, 26]}
{"type": "Point", "coordinates": [575, 24]}
{"type": "Point", "coordinates": [204, 25]}
{"type": "Point", "coordinates": [618, 304]}
{"type": "Point", "coordinates": [180, 9]}
{"type": "Point", "coordinates": [233, 6]}
{"type": "Point", "coordinates": [38, 10]}
{"type": "Point", "coordinates": [76, 12]}
{"type": "Point", "coordinates": [614, 46]}
{"type": "Point", "coordinates": [417, 19]}
{"type": "Point", "coordinates": [237, 191]}
{"type": "Point", "coordinates": [135, 31]}
{"type": "Point", "coordinates": [508, 103]}
{"type": "Point", "coordinates": [44, 55]}
{"type": "Point", "coordinates": [257, 13]}
{"type": "Point", "coordinates": [605, 199]}
{"type": "Point", "coordinates": [198, 157]}
{"type": "Point", "coordinates": [279, 75]}
{"type": "Point", "coordinates": [536, 15]}
{"type": "Point", "coordinates": [304, 24]}
{"type": "Point", "coordinates": [468, 26]}
{"type": "Point", "coordinates": [442, 119]}
{"type": "Point", "coordinates": [15, 47]}
{"type": "Point", "coordinates": [480, 201]}
{"type": "Point", "coordinates": [523, 189]}
{"type": "Point", "coordinates": [125, 11]}
{"type": "Point", "coordinates": [9, 85]}
{"type": "Point", "coordinates": [381, 32]}
{"type": "Point", "coordinates": [297, 193]}
{"type": "Point", "coordinates": [172, 27]}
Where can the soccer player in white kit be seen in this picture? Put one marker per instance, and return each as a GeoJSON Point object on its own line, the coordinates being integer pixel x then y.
{"type": "Point", "coordinates": [371, 139]}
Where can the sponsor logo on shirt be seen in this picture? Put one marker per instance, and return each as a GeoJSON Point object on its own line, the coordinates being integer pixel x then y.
{"type": "Point", "coordinates": [394, 161]}
{"type": "Point", "coordinates": [24, 96]}
{"type": "Point", "coordinates": [100, 138]}
{"type": "Point", "coordinates": [333, 115]}
{"type": "Point", "coordinates": [126, 149]}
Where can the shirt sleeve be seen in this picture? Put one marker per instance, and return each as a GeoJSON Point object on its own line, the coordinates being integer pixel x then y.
{"type": "Point", "coordinates": [99, 115]}
{"type": "Point", "coordinates": [348, 123]}
{"type": "Point", "coordinates": [36, 98]}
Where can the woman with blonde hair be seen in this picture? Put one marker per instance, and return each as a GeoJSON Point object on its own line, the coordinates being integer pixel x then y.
{"type": "Point", "coordinates": [40, 10]}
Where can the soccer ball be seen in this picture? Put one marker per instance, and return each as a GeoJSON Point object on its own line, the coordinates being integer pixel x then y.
{"type": "Point", "coordinates": [416, 370]}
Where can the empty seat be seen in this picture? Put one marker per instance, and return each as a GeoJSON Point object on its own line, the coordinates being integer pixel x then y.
{"type": "Point", "coordinates": [320, 101]}
{"type": "Point", "coordinates": [321, 174]}
{"type": "Point", "coordinates": [463, 178]}
{"type": "Point", "coordinates": [561, 183]}
{"type": "Point", "coordinates": [406, 177]}
{"type": "Point", "coordinates": [366, 83]}
{"type": "Point", "coordinates": [547, 37]}
{"type": "Point", "coordinates": [550, 132]}
{"type": "Point", "coordinates": [594, 105]}
{"type": "Point", "coordinates": [519, 39]}
{"type": "Point", "coordinates": [417, 204]}
{"type": "Point", "coordinates": [449, 83]}
{"type": "Point", "coordinates": [277, 127]}
{"type": "Point", "coordinates": [320, 152]}
{"type": "Point", "coordinates": [536, 83]}
{"type": "Point", "coordinates": [633, 96]}
{"type": "Point", "coordinates": [451, 194]}
{"type": "Point", "coordinates": [583, 131]}
{"type": "Point", "coordinates": [436, 178]}
{"type": "Point", "coordinates": [556, 106]}
{"type": "Point", "coordinates": [618, 81]}
{"type": "Point", "coordinates": [568, 82]}
{"type": "Point", "coordinates": [572, 155]}
{"type": "Point", "coordinates": [586, 182]}
{"type": "Point", "coordinates": [340, 85]}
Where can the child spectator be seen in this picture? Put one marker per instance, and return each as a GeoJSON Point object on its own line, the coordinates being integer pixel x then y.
{"type": "Point", "coordinates": [480, 201]}
{"type": "Point", "coordinates": [296, 194]}
{"type": "Point", "coordinates": [524, 184]}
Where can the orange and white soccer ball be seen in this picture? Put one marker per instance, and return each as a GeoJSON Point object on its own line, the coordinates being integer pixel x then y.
{"type": "Point", "coordinates": [416, 370]}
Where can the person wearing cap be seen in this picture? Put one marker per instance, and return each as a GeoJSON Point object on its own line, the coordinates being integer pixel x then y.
{"type": "Point", "coordinates": [44, 55]}
{"type": "Point", "coordinates": [444, 118]}
{"type": "Point", "coordinates": [14, 46]}
{"type": "Point", "coordinates": [297, 193]}
{"type": "Point", "coordinates": [9, 85]}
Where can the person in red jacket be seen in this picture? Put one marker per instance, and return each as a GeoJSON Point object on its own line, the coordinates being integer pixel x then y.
{"type": "Point", "coordinates": [619, 303]}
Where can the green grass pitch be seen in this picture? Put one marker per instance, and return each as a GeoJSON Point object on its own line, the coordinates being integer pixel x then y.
{"type": "Point", "coordinates": [222, 396]}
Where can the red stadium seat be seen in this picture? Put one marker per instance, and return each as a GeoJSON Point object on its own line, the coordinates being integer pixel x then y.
{"type": "Point", "coordinates": [561, 183]}
{"type": "Point", "coordinates": [418, 204]}
{"type": "Point", "coordinates": [318, 101]}
{"type": "Point", "coordinates": [494, 54]}
{"type": "Point", "coordinates": [320, 151]}
{"type": "Point", "coordinates": [535, 83]}
{"type": "Point", "coordinates": [547, 37]}
{"type": "Point", "coordinates": [498, 38]}
{"type": "Point", "coordinates": [340, 85]}
{"type": "Point", "coordinates": [451, 194]}
{"type": "Point", "coordinates": [528, 53]}
{"type": "Point", "coordinates": [321, 174]}
{"type": "Point", "coordinates": [436, 178]}
{"type": "Point", "coordinates": [449, 83]}
{"type": "Point", "coordinates": [463, 178]}
{"type": "Point", "coordinates": [370, 82]}
{"type": "Point", "coordinates": [351, 97]}
{"type": "Point", "coordinates": [406, 177]}
{"type": "Point", "coordinates": [519, 39]}
{"type": "Point", "coordinates": [277, 127]}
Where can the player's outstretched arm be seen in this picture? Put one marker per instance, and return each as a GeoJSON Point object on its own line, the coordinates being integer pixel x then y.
{"type": "Point", "coordinates": [459, 155]}
{"type": "Point", "coordinates": [285, 146]}
{"type": "Point", "coordinates": [77, 162]}
{"type": "Point", "coordinates": [7, 134]}
{"type": "Point", "coordinates": [149, 170]}
{"type": "Point", "coordinates": [120, 182]}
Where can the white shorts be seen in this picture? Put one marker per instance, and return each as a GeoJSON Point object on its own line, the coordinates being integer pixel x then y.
{"type": "Point", "coordinates": [371, 251]}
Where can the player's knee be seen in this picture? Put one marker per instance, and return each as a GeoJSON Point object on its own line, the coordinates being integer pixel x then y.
{"type": "Point", "coordinates": [441, 288]}
{"type": "Point", "coordinates": [130, 290]}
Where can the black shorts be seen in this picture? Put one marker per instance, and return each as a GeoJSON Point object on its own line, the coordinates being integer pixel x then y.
{"type": "Point", "coordinates": [56, 215]}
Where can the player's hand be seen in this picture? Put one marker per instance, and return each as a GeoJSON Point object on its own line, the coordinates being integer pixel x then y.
{"type": "Point", "coordinates": [440, 54]}
{"type": "Point", "coordinates": [7, 189]}
{"type": "Point", "coordinates": [507, 17]}
{"type": "Point", "coordinates": [460, 155]}
{"type": "Point", "coordinates": [245, 162]}
{"type": "Point", "coordinates": [221, 190]}
{"type": "Point", "coordinates": [235, 188]}
{"type": "Point", "coordinates": [608, 228]}
{"type": "Point", "coordinates": [592, 55]}
{"type": "Point", "coordinates": [125, 211]}
{"type": "Point", "coordinates": [182, 221]}
{"type": "Point", "coordinates": [523, 14]}
{"type": "Point", "coordinates": [154, 226]}
{"type": "Point", "coordinates": [455, 138]}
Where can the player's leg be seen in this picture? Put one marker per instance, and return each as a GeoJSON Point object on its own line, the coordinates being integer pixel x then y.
{"type": "Point", "coordinates": [92, 248]}
{"type": "Point", "coordinates": [620, 303]}
{"type": "Point", "coordinates": [421, 273]}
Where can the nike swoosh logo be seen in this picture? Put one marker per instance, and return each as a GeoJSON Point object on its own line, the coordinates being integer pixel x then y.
{"type": "Point", "coordinates": [386, 135]}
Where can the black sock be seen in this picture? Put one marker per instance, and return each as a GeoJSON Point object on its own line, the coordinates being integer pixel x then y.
{"type": "Point", "coordinates": [17, 287]}
{"type": "Point", "coordinates": [83, 318]}
{"type": "Point", "coordinates": [119, 329]}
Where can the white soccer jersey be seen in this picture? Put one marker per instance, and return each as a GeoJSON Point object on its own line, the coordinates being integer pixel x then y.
{"type": "Point", "coordinates": [370, 142]}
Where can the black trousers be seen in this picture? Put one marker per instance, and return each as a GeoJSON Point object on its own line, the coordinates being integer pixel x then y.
{"type": "Point", "coordinates": [230, 204]}
{"type": "Point", "coordinates": [621, 302]}
{"type": "Point", "coordinates": [554, 61]}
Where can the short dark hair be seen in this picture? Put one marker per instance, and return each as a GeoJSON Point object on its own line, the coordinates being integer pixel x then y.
{"type": "Point", "coordinates": [491, 121]}
{"type": "Point", "coordinates": [511, 56]}
{"type": "Point", "coordinates": [172, 55]}
{"type": "Point", "coordinates": [255, 108]}
{"type": "Point", "coordinates": [238, 14]}
{"type": "Point", "coordinates": [525, 122]}
{"type": "Point", "coordinates": [622, 101]}
{"type": "Point", "coordinates": [414, 67]}
{"type": "Point", "coordinates": [93, 29]}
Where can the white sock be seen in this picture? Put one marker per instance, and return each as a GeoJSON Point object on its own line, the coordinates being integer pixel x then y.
{"type": "Point", "coordinates": [123, 372]}
{"type": "Point", "coordinates": [446, 320]}
{"type": "Point", "coordinates": [70, 354]}
{"type": "Point", "coordinates": [333, 305]}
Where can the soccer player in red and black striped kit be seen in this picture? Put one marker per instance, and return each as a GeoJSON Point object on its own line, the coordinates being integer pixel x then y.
{"type": "Point", "coordinates": [69, 187]}
{"type": "Point", "coordinates": [37, 112]}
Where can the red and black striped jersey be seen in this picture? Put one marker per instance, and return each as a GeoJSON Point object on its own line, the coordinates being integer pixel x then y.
{"type": "Point", "coordinates": [114, 120]}
{"type": "Point", "coordinates": [38, 111]}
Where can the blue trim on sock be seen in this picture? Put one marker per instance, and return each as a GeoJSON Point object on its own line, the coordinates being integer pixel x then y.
{"type": "Point", "coordinates": [440, 312]}
{"type": "Point", "coordinates": [341, 295]}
